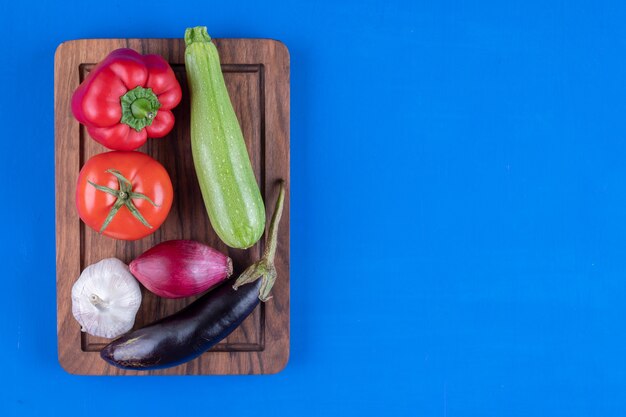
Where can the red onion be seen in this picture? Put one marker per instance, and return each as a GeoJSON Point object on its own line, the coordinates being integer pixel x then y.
{"type": "Point", "coordinates": [181, 268]}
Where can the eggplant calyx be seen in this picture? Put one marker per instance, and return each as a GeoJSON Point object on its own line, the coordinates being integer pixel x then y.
{"type": "Point", "coordinates": [260, 269]}
{"type": "Point", "coordinates": [264, 268]}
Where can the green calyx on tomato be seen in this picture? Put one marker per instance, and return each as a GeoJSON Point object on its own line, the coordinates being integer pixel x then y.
{"type": "Point", "coordinates": [139, 107]}
{"type": "Point", "coordinates": [133, 176]}
{"type": "Point", "coordinates": [124, 196]}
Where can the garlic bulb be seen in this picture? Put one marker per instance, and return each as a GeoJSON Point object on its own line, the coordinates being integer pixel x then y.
{"type": "Point", "coordinates": [105, 299]}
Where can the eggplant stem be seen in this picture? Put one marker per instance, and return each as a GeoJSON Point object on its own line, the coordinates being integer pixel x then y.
{"type": "Point", "coordinates": [270, 249]}
{"type": "Point", "coordinates": [264, 268]}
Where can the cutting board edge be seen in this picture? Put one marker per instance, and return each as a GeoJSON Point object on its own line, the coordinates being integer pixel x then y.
{"type": "Point", "coordinates": [274, 366]}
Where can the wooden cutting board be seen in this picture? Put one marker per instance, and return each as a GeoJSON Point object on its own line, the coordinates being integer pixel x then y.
{"type": "Point", "coordinates": [257, 76]}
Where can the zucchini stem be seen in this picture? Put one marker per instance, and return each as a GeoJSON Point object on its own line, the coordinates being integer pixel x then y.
{"type": "Point", "coordinates": [197, 34]}
{"type": "Point", "coordinates": [264, 268]}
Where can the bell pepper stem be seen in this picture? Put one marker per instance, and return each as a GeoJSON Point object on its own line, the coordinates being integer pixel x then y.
{"type": "Point", "coordinates": [139, 107]}
{"type": "Point", "coordinates": [264, 268]}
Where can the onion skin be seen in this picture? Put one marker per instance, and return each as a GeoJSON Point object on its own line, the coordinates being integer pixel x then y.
{"type": "Point", "coordinates": [181, 268]}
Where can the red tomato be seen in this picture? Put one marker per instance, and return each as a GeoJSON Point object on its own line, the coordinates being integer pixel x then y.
{"type": "Point", "coordinates": [114, 185]}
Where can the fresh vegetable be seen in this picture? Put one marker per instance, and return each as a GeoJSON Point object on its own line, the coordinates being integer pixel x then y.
{"type": "Point", "coordinates": [186, 334]}
{"type": "Point", "coordinates": [127, 98]}
{"type": "Point", "coordinates": [105, 299]}
{"type": "Point", "coordinates": [123, 195]}
{"type": "Point", "coordinates": [190, 332]}
{"type": "Point", "coordinates": [229, 189]}
{"type": "Point", "coordinates": [181, 268]}
{"type": "Point", "coordinates": [265, 268]}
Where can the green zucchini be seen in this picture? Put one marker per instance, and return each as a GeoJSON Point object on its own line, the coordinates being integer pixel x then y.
{"type": "Point", "coordinates": [229, 189]}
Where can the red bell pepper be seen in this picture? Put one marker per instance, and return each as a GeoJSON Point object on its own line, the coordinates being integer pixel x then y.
{"type": "Point", "coordinates": [126, 99]}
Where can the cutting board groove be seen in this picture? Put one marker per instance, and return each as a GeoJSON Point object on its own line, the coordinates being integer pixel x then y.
{"type": "Point", "coordinates": [256, 72]}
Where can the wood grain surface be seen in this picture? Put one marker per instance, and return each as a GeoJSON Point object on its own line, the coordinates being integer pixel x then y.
{"type": "Point", "coordinates": [257, 76]}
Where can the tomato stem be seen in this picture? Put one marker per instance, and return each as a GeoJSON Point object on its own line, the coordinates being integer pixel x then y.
{"type": "Point", "coordinates": [125, 196]}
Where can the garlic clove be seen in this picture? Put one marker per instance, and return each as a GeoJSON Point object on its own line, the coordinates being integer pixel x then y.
{"type": "Point", "coordinates": [106, 298]}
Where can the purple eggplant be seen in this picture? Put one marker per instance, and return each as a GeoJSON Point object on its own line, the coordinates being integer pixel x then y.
{"type": "Point", "coordinates": [186, 334]}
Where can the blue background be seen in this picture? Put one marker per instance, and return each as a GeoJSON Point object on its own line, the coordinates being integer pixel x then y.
{"type": "Point", "coordinates": [458, 209]}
